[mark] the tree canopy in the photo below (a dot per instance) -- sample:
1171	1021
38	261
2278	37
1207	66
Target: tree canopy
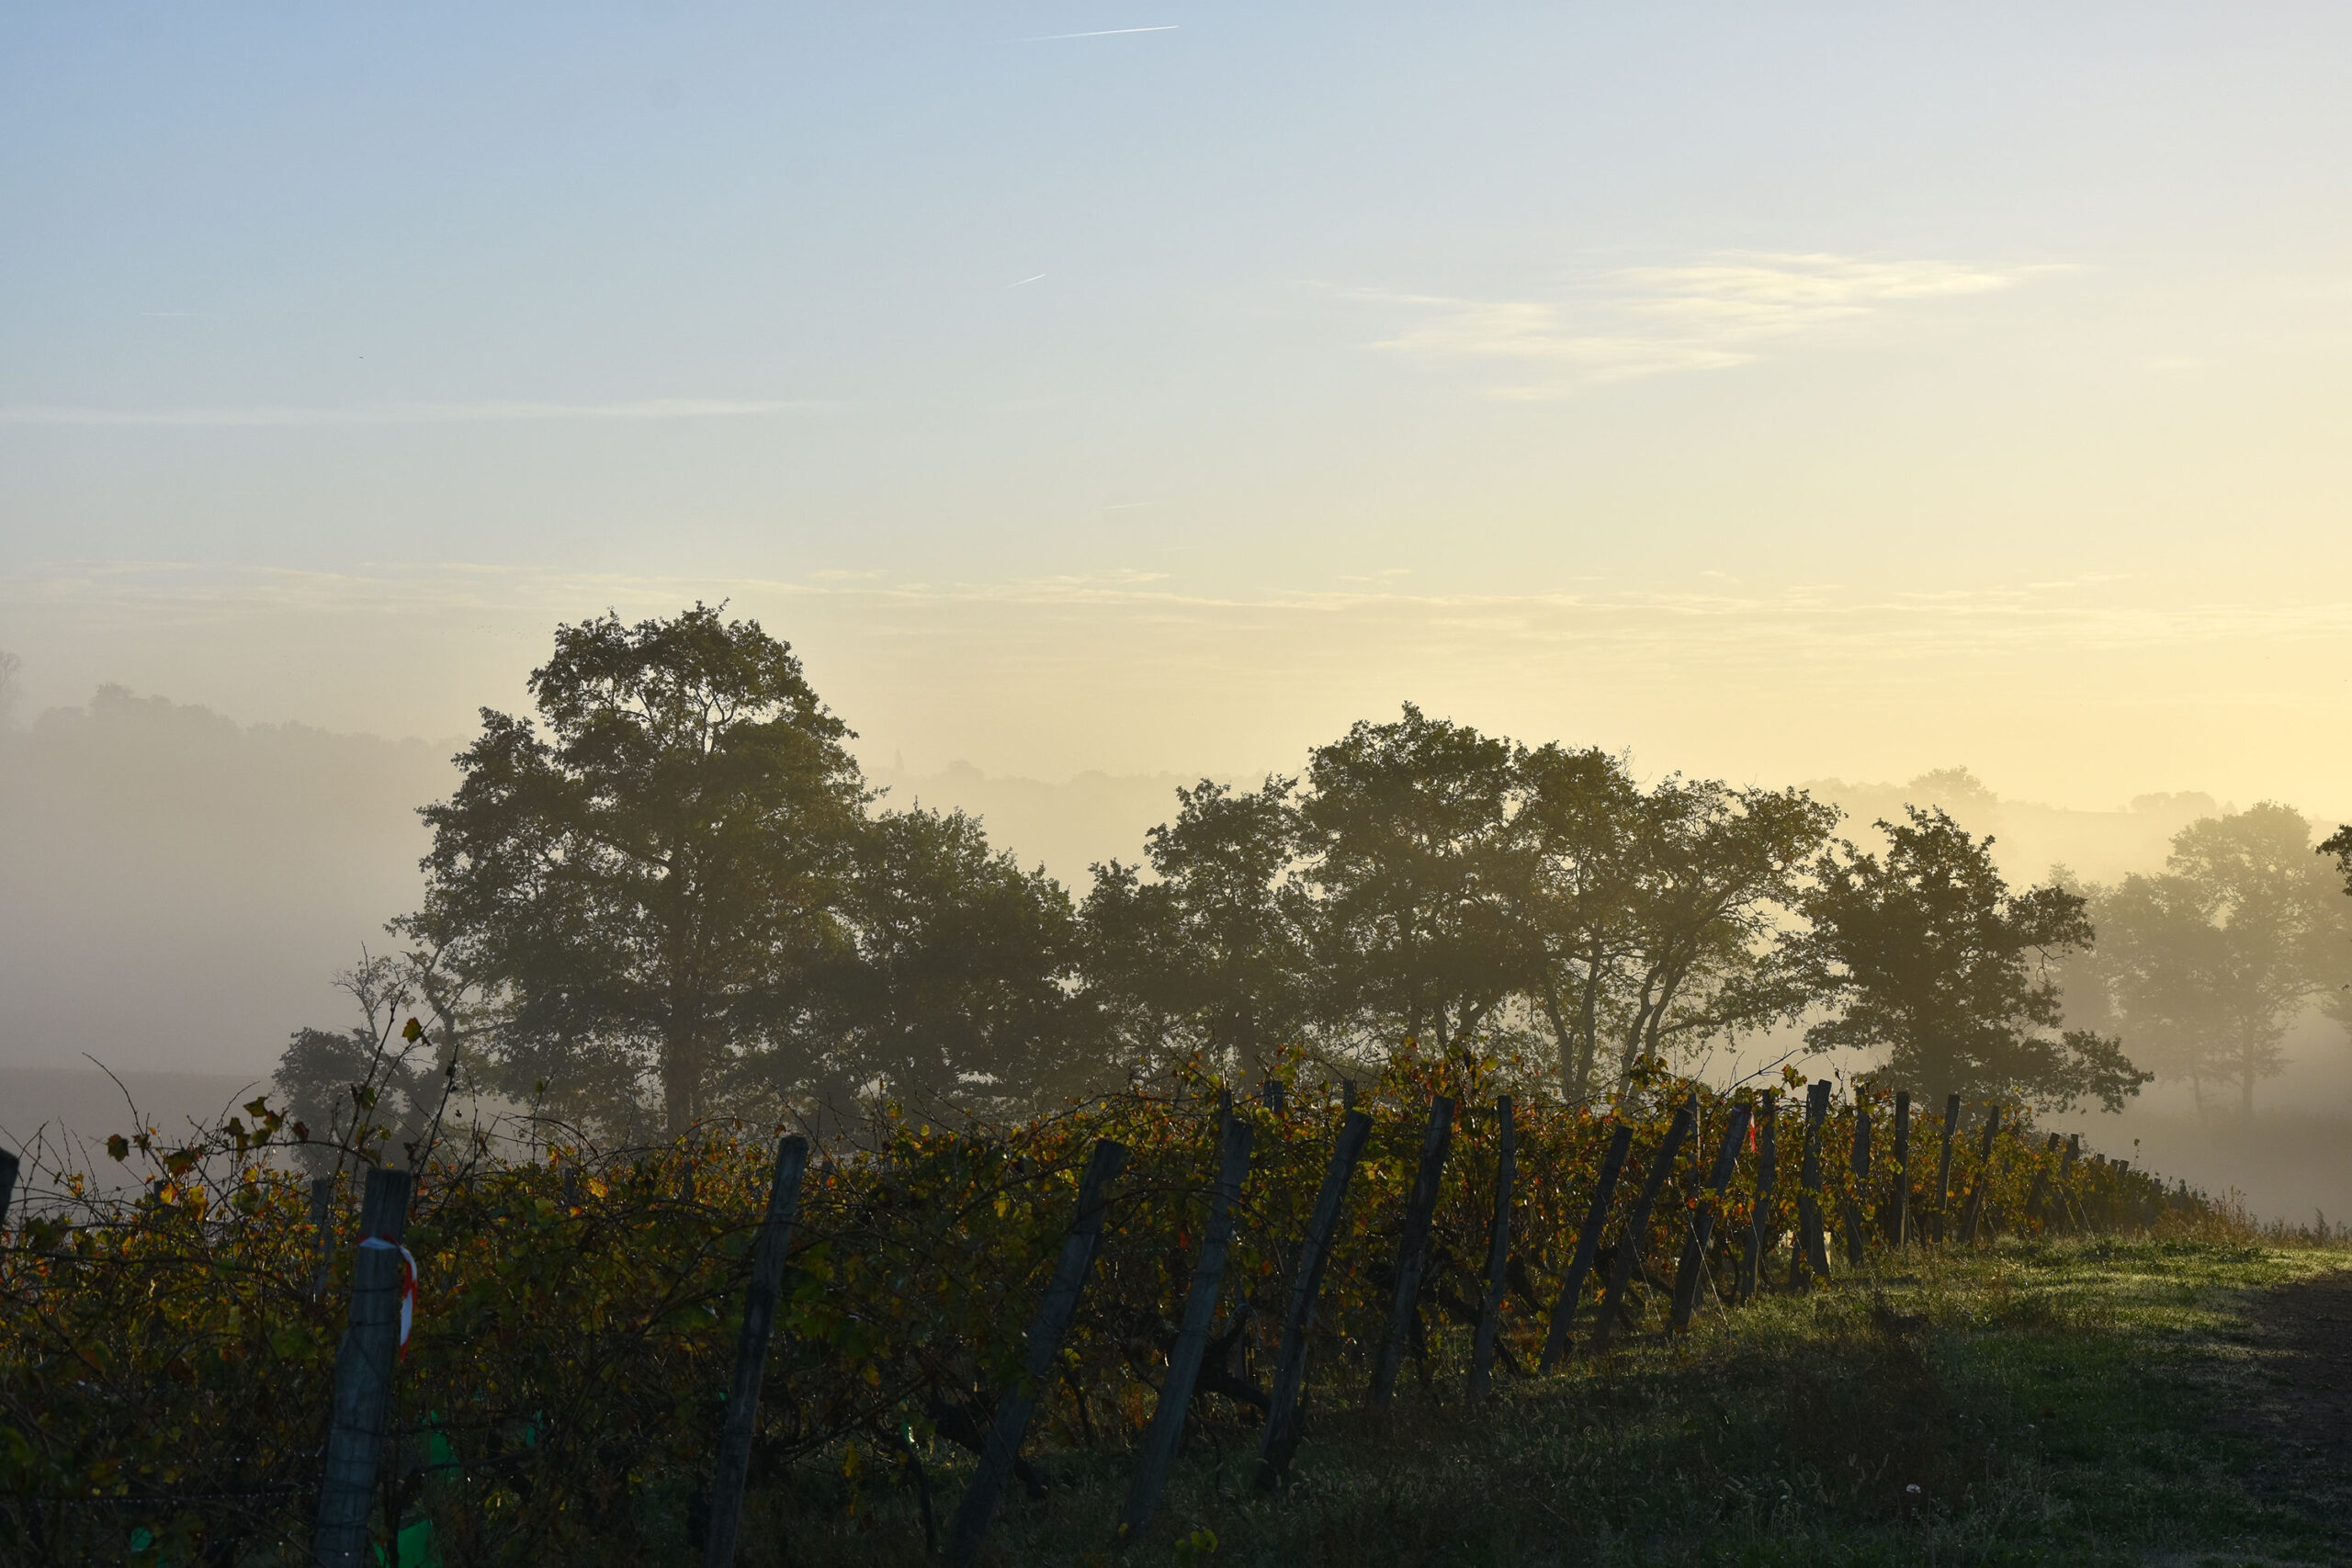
650	885
1937	962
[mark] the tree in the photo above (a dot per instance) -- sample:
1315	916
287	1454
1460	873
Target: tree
2212	961
358	1089
1405	848
1938	964
1714	869
652	882
959	980
1207	958
1578	823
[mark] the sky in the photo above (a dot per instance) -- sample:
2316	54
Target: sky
1781	391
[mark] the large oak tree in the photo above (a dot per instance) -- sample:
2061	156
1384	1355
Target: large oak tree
649	877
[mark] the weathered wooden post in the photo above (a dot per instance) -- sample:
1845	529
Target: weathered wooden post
2040	1196
1856	1239
1763	1232
1167	1432
2068	1208
1688	1274
1047	1326
321	1233
1413	1251
1943	1165
1281	1440
1637	1226
768	1251
9	1166
1811	1250
1564	1309
1898	1220
362	1375
1490	1311
1275	1096
1983	1177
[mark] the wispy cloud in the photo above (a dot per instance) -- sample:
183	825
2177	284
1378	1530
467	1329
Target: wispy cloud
1655	320
400	413
1101	32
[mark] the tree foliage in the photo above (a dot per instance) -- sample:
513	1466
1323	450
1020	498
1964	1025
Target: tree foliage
1938	964
649	885
2207	963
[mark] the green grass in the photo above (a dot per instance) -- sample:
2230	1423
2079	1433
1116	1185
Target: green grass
2068	1403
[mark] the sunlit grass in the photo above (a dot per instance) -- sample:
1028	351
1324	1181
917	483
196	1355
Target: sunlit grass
2033	1402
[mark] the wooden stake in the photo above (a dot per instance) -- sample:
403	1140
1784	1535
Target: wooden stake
363	1376
1636	1231
1046	1327
768	1254
322	1232
1167	1433
1943	1163
1413	1251
1811	1250
1306	1282
1490	1311
1564	1309
1983	1176
1763	1231
1702	1226
1860	1167
1898	1225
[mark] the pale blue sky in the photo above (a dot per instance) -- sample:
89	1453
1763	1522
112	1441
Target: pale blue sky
1780	390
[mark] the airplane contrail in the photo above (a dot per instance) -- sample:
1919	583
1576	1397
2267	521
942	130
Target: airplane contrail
1104	32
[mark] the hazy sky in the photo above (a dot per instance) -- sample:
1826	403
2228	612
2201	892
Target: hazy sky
1781	390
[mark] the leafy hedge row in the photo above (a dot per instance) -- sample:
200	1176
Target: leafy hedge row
164	1366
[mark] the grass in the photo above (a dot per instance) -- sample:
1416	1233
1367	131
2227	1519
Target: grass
2067	1403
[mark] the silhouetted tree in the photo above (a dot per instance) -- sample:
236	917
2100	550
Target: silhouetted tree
958	983
2208	962
1938	964
651	882
1405	846
1208	957
1714	870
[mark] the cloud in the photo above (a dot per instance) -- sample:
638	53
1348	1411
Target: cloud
1102	32
1656	319
398	413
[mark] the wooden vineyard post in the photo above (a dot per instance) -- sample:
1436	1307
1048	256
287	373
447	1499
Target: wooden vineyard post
1761	1230
1167	1432
1702	1223
1314	1256
1943	1165
1983	1178
1413	1252
322	1232
363	1376
1855	1239
2034	1204
2067	1208
1490	1311
1564	1309
1636	1231
1047	1326
9	1166
752	1350
1898	1219
1811	1250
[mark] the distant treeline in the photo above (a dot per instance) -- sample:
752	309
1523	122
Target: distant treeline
673	895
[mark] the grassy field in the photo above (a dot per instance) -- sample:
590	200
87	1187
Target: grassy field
2151	1402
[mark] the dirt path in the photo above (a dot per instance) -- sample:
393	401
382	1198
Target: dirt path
2297	1401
